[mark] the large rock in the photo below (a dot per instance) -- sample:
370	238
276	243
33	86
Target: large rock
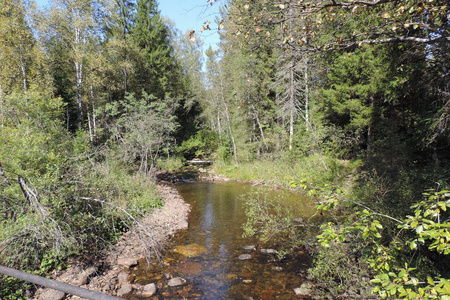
176	281
147	291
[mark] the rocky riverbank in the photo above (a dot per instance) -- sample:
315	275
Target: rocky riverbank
106	272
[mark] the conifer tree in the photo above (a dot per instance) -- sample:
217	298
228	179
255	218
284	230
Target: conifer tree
156	62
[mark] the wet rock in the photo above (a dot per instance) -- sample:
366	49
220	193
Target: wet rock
50	294
245	257
177	281
249	248
269	251
147	291
247	281
277	268
125	290
304	289
127	262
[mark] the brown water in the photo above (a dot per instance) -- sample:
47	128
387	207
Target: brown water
207	254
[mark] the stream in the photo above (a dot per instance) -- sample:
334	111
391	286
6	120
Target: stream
209	255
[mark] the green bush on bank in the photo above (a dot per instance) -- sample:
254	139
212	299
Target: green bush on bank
59	196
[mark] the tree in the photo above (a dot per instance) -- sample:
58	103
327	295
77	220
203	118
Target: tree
72	35
142	128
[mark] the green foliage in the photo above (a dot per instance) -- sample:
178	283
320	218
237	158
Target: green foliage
384	254
203	144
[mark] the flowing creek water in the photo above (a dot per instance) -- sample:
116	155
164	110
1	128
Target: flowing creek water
207	255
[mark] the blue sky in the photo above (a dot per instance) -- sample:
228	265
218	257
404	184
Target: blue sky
187	15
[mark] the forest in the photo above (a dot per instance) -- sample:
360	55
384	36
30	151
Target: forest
347	101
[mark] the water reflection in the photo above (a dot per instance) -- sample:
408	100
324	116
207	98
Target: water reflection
207	254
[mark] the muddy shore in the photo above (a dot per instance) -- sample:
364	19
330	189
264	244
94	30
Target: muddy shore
106	272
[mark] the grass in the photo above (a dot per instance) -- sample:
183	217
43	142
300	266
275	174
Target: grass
314	170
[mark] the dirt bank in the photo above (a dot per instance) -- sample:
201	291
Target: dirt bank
104	272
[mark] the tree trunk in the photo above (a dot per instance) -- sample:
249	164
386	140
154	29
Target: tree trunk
291	103
24	74
306	76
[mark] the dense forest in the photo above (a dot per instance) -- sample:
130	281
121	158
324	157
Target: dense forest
348	101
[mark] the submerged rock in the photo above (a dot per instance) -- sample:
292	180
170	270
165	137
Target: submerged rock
249	248
189	267
190	250
245	256
269	251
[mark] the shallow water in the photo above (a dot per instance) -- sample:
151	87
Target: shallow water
206	255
